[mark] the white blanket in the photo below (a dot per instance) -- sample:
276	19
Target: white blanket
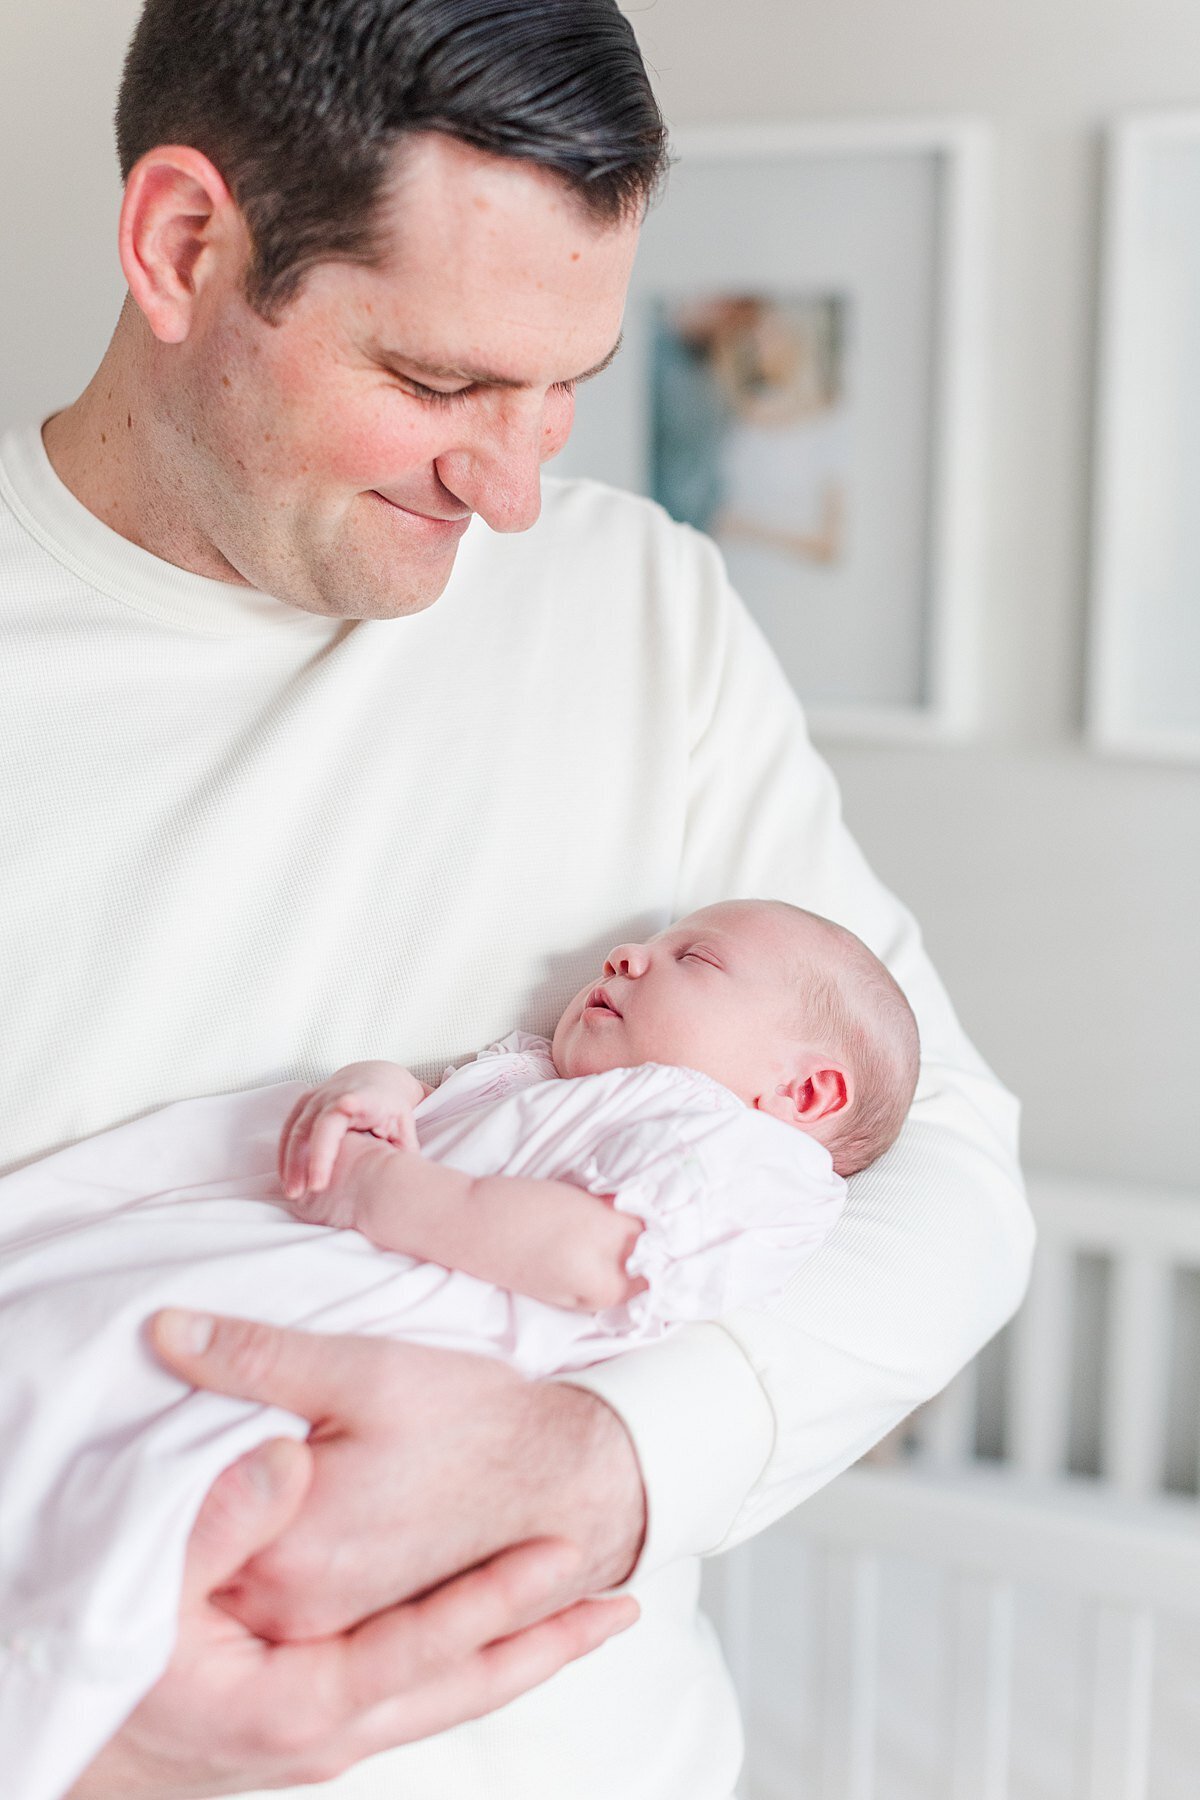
106	1457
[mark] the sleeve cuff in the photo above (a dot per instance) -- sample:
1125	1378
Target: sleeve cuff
703	1430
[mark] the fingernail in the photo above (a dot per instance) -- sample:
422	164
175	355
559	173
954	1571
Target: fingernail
184	1333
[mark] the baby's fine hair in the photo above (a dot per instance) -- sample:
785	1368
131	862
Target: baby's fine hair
857	1012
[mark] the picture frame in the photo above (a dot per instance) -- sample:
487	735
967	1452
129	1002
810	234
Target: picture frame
1143	678
849	501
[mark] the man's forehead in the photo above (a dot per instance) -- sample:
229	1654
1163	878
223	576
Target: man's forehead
453	202
490	273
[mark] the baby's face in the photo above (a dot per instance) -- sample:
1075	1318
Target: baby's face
710	993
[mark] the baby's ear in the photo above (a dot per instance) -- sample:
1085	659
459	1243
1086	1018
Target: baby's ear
815	1095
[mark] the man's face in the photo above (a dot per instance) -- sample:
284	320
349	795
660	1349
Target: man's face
338	456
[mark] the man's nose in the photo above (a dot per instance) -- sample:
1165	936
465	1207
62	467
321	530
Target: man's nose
628	959
498	472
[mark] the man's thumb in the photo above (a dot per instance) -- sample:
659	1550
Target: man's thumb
298	1370
248	1506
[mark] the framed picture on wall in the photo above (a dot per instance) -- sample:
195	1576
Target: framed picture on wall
801	378
1144	663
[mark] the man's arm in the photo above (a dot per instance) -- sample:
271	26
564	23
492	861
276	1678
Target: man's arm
932	1252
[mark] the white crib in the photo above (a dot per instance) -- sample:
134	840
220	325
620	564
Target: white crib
1007	1608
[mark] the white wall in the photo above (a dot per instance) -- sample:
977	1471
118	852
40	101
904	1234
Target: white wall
60	280
1060	895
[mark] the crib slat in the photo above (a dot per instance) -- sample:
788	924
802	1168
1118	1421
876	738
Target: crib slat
1135	1420
981	1688
1119	1749
851	1676
947	1424
1040	1390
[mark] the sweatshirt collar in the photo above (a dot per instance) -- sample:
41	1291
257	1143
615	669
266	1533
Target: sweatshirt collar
82	543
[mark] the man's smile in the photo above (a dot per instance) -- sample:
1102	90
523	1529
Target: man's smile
435	523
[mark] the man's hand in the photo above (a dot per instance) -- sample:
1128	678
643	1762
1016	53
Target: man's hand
426	1462
233	1714
364	1096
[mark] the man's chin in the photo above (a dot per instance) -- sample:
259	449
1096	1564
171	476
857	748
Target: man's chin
412	591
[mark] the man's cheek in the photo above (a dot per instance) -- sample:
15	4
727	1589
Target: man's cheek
373	455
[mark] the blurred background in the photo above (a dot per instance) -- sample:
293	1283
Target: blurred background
1058	891
1058	888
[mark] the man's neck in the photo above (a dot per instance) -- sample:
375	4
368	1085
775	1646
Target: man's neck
107	448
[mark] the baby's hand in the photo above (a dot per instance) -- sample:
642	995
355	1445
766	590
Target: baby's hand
378	1097
363	1166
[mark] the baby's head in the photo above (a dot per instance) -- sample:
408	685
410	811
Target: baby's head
788	1010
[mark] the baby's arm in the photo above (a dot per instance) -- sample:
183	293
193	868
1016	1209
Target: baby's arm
365	1096
547	1239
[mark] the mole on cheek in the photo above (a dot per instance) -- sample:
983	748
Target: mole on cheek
225	381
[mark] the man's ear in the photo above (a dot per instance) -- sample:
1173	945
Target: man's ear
817	1093
179	224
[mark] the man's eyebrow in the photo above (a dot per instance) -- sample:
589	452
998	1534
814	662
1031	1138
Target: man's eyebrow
487	377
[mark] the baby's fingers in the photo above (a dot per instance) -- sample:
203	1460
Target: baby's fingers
293	1144
405	1133
294	1149
323	1146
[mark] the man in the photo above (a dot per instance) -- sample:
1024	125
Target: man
310	771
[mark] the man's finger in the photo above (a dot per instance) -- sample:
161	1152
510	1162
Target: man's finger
248	1506
433	1639
495	1674
305	1372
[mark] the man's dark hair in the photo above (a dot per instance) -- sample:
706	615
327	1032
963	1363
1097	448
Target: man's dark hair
302	103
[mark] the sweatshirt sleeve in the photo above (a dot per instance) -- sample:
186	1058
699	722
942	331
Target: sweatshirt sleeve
738	1421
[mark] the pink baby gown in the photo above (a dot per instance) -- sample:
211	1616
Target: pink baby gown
105	1457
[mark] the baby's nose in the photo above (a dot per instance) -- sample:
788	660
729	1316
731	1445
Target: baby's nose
627	959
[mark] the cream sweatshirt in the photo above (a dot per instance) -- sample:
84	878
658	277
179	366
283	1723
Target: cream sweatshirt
240	844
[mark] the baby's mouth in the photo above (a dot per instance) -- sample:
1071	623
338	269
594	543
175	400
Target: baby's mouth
599	1001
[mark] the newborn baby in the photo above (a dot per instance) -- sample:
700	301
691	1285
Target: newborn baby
676	1151
790	1013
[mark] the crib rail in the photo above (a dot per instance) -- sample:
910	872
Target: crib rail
1129	1566
1146	1242
1066	1535
991	1535
995	1531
